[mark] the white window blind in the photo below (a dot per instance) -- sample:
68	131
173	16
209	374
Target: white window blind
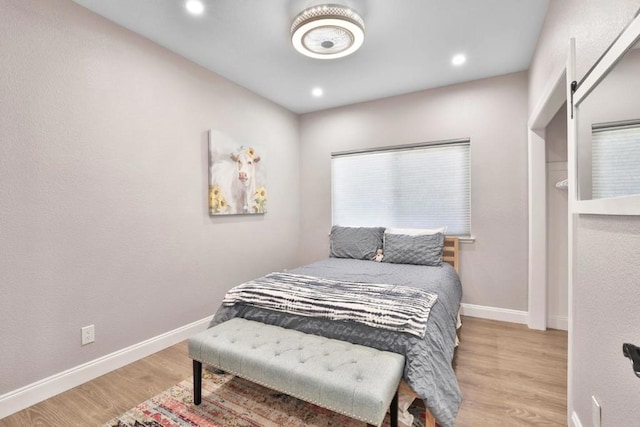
424	186
615	160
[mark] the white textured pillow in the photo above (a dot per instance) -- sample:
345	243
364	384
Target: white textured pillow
416	231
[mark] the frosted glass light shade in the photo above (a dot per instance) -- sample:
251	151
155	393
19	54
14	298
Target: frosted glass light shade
327	32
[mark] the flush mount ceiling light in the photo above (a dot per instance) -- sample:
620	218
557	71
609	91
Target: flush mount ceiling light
327	32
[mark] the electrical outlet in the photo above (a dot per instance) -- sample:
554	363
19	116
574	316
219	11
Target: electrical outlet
595	412
88	334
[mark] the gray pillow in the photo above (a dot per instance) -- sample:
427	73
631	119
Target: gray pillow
355	242
406	249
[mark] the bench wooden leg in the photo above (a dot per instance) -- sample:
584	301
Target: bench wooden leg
393	411
197	382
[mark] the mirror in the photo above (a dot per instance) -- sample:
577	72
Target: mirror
609	133
607	114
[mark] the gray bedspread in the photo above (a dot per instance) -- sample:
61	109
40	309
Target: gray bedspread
428	369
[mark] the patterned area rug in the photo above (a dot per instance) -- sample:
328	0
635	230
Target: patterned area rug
230	401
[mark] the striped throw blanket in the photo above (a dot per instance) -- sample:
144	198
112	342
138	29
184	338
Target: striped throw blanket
392	307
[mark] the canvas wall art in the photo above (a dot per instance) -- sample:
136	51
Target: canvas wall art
236	176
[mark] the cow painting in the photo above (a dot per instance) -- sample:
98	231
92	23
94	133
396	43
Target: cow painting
236	178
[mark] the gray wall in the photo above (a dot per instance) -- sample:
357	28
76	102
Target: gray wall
556	137
606	291
493	113
103	189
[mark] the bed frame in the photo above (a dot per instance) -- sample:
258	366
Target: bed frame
450	252
450	255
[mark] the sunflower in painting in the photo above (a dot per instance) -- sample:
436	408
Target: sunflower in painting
260	199
217	202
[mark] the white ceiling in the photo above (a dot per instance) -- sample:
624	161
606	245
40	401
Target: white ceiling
408	45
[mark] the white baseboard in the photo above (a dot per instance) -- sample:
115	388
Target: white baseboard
558	322
494	313
508	315
575	420
38	391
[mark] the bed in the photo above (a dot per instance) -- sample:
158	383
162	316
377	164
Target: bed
428	372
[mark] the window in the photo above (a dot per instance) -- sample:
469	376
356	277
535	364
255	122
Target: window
615	160
416	186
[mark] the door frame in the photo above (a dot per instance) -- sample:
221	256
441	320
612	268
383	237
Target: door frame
552	99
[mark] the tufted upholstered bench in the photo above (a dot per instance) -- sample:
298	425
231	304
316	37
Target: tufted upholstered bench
353	380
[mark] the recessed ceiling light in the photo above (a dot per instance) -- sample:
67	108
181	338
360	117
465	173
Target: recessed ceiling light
317	92
458	59
195	7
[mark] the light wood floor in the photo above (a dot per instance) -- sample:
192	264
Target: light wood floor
509	375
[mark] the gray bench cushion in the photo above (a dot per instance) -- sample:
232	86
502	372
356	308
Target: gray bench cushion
350	379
